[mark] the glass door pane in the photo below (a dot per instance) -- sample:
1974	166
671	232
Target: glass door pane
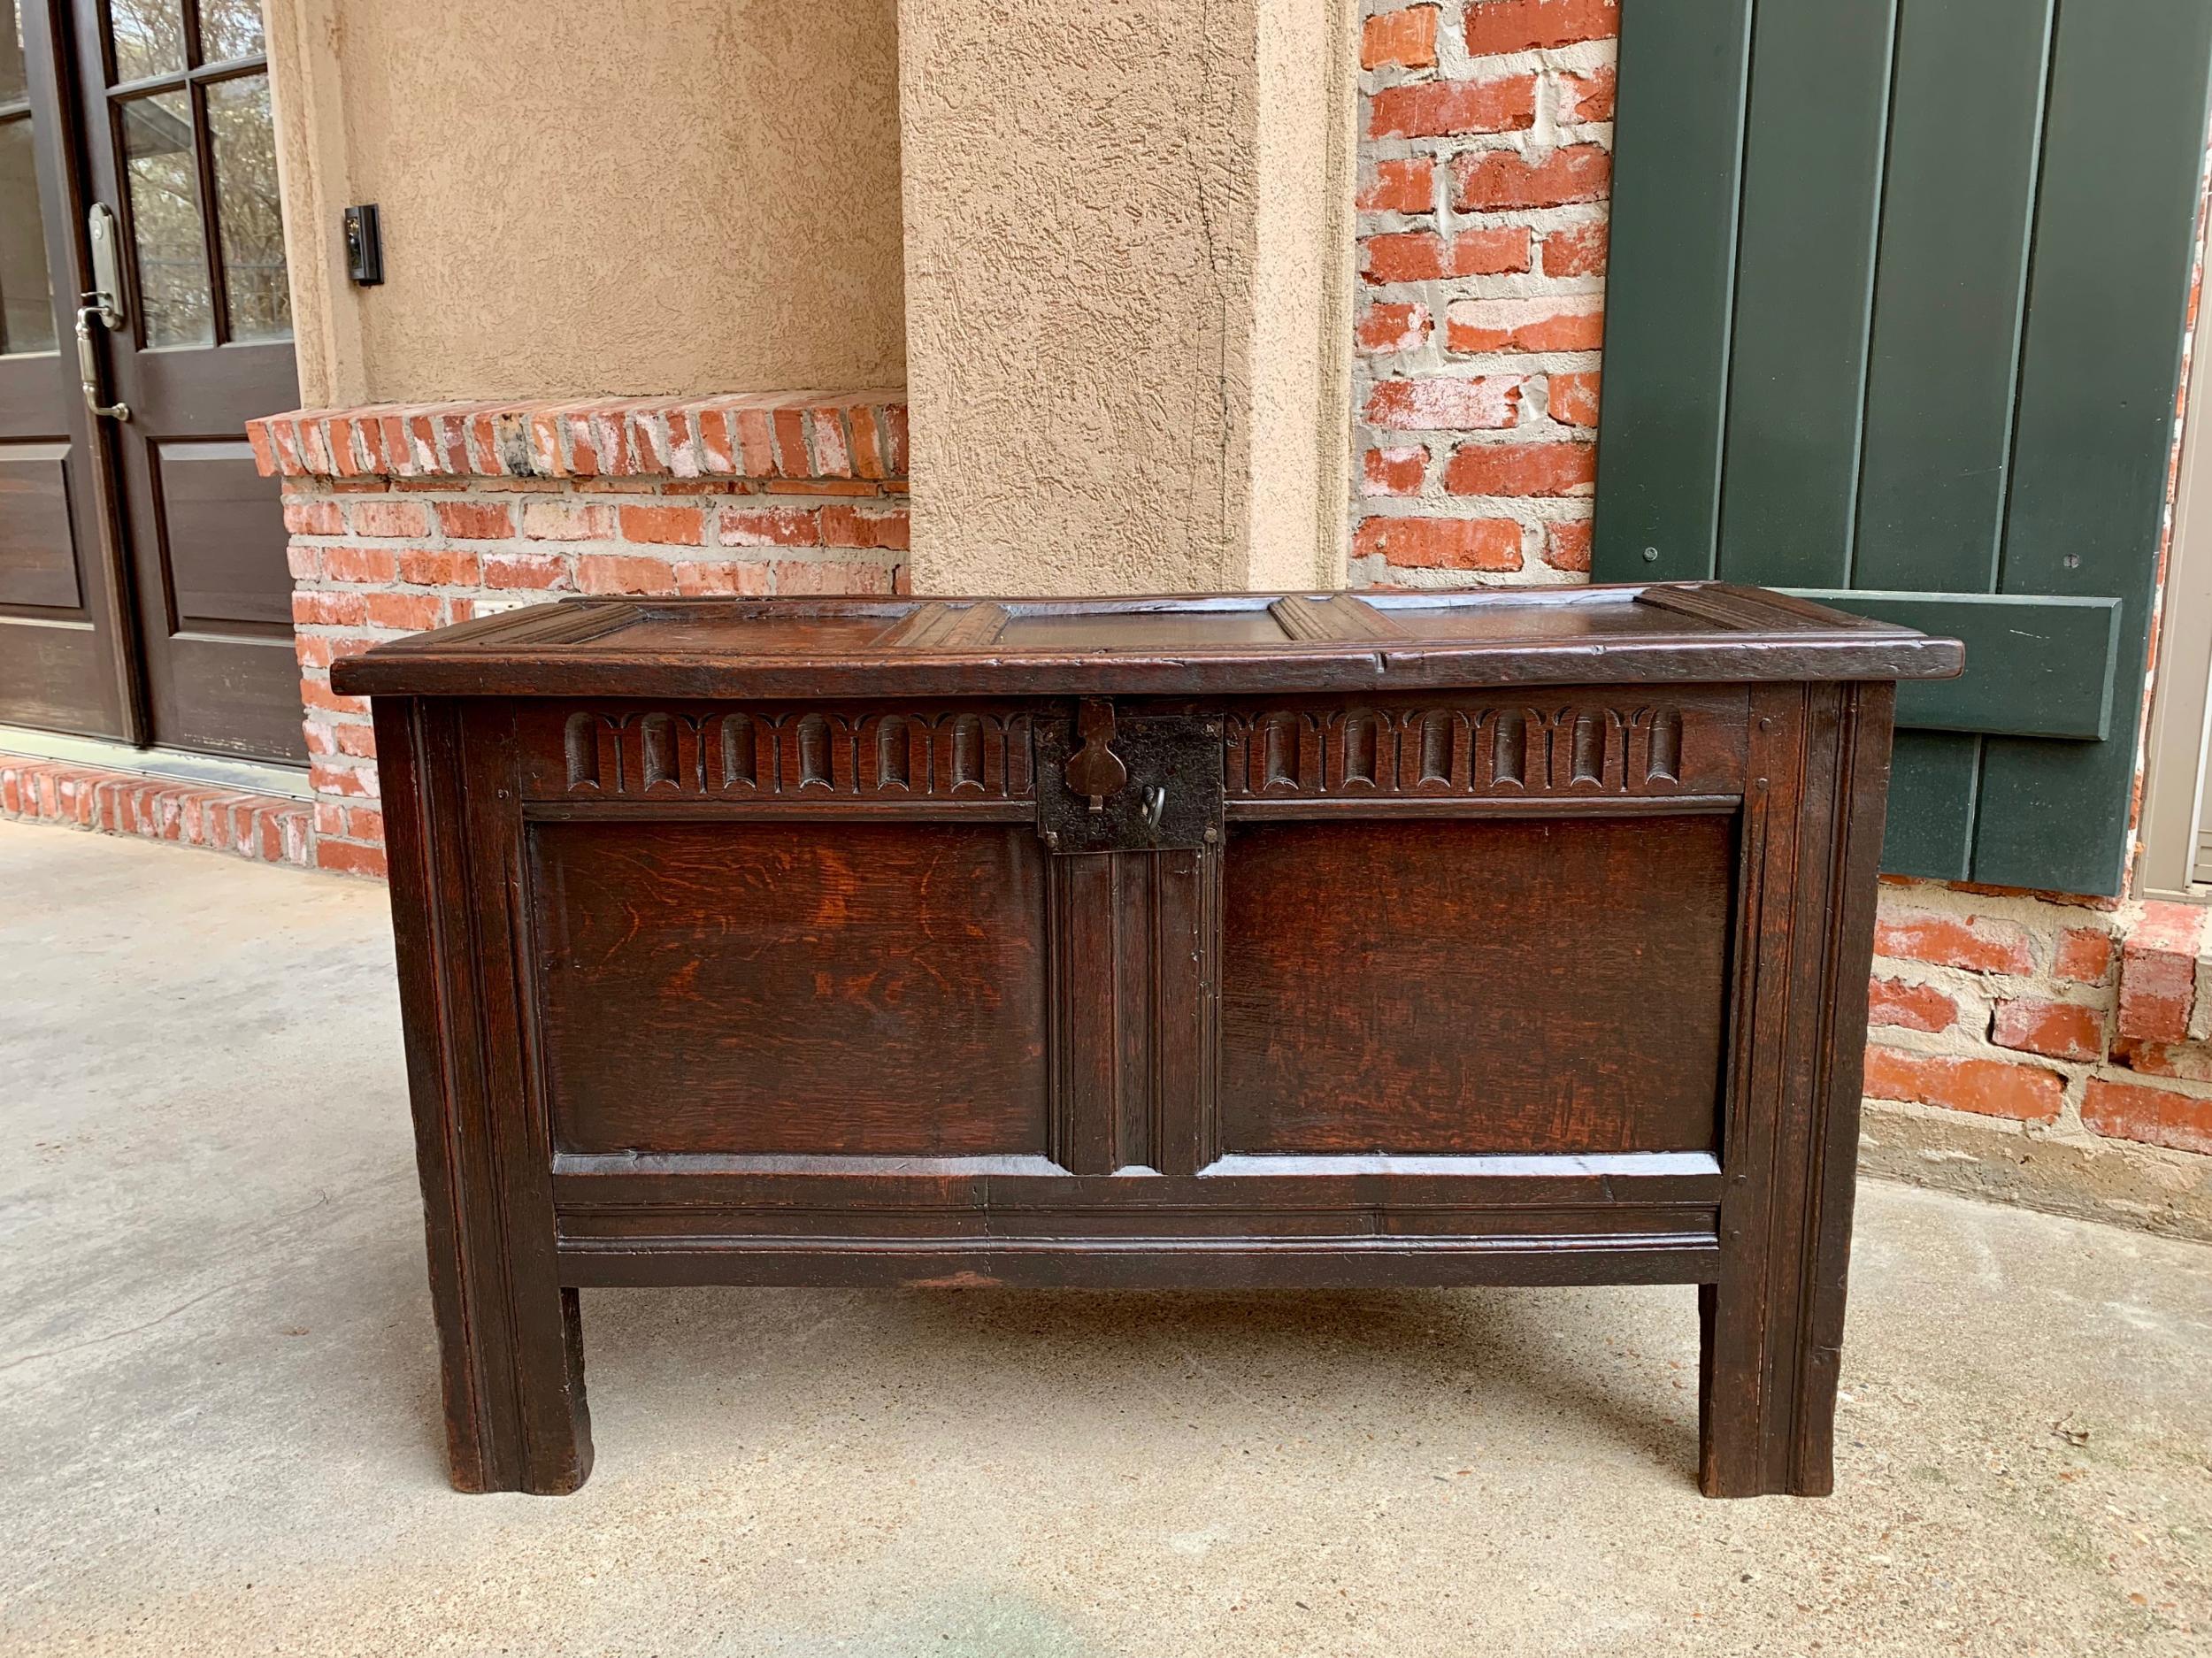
147	37
247	214
167	232
229	28
14	84
27	290
26	293
189	86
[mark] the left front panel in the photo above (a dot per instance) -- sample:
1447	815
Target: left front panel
791	987
785	932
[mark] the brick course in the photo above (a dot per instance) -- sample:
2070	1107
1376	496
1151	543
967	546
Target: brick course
408	518
265	827
1485	162
2089	1023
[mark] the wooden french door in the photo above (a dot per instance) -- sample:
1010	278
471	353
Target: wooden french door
66	660
160	110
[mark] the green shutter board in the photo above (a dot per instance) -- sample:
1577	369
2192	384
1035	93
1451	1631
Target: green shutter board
1819	109
2014	387
2109	292
1957	209
1934	836
2035	667
1677	160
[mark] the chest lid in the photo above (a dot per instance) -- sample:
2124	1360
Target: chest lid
1208	643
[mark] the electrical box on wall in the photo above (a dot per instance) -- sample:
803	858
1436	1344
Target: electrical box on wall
365	246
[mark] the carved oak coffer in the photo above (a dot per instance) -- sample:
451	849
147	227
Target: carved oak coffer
1236	941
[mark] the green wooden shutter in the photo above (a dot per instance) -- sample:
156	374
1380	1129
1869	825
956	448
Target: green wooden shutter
1894	318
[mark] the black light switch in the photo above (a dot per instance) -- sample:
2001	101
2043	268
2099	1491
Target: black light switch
365	246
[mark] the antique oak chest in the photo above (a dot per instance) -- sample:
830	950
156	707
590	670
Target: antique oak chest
1238	940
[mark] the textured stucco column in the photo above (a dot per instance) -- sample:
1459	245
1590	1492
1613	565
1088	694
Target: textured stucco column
1127	271
583	197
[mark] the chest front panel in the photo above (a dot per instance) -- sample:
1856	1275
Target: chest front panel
1463	927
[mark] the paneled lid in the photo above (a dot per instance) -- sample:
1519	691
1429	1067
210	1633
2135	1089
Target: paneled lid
1219	643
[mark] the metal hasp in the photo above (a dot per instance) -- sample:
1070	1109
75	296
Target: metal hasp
1110	782
1095	771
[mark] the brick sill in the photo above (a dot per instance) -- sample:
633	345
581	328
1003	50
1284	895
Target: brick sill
223	773
805	436
270	828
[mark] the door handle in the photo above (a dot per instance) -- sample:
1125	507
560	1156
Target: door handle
89	364
103	304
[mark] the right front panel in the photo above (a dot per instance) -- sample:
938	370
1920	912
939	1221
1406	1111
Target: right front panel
1474	925
1506	984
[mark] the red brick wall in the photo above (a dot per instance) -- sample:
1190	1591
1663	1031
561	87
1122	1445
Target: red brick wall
1484	187
2081	1023
407	519
1485	163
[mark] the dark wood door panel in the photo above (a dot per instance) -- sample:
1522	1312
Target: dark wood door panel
232	695
223	539
866	989
65	649
38	543
53	676
1459	987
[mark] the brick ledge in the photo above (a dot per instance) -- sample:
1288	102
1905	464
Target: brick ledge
271	828
2159	954
811	436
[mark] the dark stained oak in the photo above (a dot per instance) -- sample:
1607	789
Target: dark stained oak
1244	939
1216	644
705	986
1528	985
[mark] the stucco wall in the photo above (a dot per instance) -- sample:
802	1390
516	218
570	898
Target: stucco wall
1121	319
1305	145
580	196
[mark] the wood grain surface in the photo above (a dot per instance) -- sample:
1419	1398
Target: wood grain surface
1515	985
1216	644
759	987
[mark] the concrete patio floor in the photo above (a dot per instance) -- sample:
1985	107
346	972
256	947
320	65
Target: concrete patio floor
219	1426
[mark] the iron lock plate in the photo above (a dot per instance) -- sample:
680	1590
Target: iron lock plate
1168	795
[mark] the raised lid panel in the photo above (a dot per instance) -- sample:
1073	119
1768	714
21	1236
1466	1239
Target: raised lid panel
1220	643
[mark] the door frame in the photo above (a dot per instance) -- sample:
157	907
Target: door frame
2176	753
